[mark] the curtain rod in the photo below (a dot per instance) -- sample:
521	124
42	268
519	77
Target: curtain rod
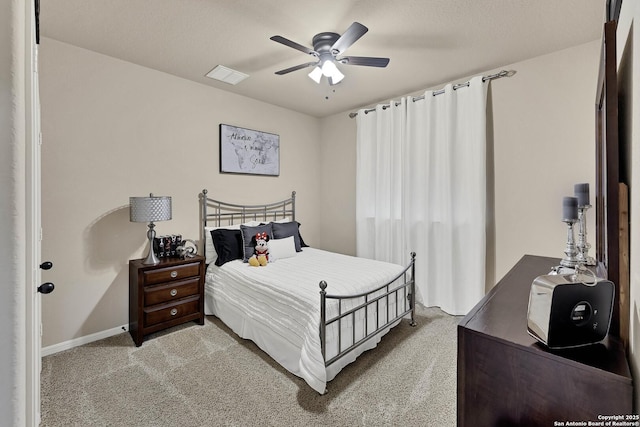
503	73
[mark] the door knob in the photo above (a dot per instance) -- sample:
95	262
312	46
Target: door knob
46	288
46	265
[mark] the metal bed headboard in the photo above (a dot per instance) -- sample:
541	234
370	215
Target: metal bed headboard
214	213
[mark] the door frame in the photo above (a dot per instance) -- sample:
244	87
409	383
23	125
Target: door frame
18	402
33	140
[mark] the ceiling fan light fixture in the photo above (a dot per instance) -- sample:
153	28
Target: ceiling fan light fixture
330	70
316	74
326	46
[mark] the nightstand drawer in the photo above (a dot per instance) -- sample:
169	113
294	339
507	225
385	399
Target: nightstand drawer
175	272
166	312
171	291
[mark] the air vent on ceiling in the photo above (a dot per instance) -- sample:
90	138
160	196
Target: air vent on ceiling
227	75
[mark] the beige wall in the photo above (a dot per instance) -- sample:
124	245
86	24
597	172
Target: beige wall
543	132
112	130
544	127
338	185
628	50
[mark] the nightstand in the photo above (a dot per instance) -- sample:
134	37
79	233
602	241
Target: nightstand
165	295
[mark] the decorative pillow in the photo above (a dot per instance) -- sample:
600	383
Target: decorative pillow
248	233
282	230
210	250
302	243
282	248
228	245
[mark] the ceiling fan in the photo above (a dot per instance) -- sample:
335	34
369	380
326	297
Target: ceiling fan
326	49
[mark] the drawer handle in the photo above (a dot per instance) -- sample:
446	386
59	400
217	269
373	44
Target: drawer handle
174	292
174	274
174	311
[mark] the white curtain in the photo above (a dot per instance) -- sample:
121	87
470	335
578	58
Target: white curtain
421	187
379	184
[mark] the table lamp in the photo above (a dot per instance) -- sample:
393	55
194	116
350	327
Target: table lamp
150	209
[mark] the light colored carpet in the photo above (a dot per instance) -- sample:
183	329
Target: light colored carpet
206	376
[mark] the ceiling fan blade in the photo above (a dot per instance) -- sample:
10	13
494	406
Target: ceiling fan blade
353	33
294	45
367	61
296	68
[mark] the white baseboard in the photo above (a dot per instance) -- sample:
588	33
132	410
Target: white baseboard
56	348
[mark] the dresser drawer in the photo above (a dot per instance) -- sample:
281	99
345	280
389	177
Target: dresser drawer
165	312
176	272
171	291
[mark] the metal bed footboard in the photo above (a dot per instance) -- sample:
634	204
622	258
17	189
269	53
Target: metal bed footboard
371	305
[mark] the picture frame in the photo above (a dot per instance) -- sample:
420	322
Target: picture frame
248	151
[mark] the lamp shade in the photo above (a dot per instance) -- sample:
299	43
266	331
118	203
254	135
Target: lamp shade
149	209
330	70
316	74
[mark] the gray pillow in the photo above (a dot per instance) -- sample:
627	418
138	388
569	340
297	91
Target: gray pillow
248	233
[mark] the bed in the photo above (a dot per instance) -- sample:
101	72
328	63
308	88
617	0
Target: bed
311	310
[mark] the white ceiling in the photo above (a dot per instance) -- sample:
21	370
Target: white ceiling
430	42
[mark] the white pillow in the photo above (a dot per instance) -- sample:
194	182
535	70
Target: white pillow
281	248
283	220
210	250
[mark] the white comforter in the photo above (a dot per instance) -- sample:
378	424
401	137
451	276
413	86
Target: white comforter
278	306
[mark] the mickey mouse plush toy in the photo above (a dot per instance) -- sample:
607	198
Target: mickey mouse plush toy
261	250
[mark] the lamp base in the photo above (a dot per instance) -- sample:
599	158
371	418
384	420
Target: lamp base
151	258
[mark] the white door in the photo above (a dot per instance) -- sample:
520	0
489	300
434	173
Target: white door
34	263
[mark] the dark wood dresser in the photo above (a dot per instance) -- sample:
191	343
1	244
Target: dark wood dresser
165	295
506	378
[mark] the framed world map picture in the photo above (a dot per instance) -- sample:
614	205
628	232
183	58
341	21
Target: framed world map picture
248	151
